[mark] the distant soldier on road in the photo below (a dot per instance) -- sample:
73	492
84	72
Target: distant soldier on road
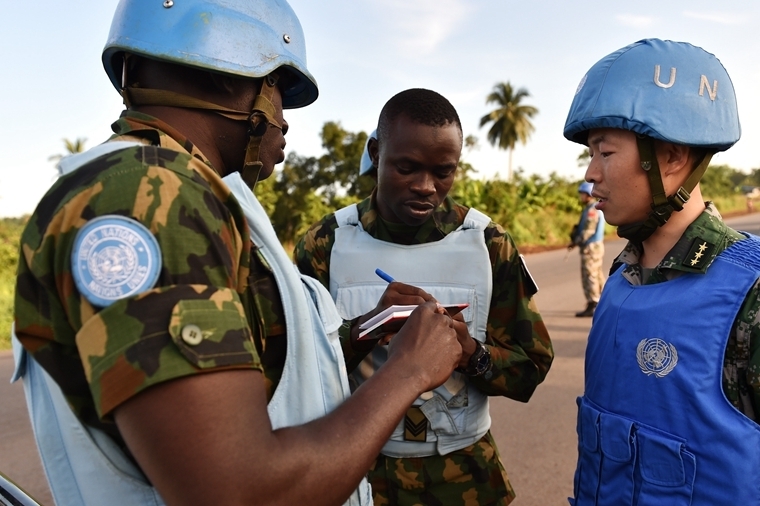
588	236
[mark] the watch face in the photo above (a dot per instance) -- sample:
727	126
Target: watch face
483	362
479	361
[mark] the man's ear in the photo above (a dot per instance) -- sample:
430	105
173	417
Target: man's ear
674	159
373	148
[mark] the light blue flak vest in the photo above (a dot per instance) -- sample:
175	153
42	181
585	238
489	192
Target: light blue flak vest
85	467
654	425
455	269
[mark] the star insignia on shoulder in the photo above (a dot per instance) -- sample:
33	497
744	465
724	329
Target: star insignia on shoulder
698	254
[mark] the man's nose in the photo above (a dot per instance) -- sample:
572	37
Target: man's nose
424	184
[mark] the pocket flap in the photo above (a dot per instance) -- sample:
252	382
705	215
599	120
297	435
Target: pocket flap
616	437
661	460
589	426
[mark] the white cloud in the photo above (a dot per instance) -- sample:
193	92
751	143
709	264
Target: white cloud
717	17
422	24
636	21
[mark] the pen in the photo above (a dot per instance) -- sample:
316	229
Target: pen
385	276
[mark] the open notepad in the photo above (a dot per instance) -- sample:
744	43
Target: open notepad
393	317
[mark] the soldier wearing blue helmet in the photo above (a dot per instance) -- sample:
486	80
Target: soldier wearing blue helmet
170	352
588	236
672	389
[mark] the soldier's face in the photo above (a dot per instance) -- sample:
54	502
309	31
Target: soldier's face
272	149
416	168
620	184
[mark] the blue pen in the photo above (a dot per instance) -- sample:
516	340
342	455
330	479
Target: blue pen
385	276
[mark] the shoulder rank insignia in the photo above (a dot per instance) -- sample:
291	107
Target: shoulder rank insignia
699	254
114	257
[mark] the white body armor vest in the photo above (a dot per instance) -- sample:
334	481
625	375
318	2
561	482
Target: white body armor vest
85	467
455	269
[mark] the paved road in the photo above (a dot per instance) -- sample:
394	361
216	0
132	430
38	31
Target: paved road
537	440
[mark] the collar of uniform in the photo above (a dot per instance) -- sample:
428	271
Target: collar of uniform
137	124
694	252
444	220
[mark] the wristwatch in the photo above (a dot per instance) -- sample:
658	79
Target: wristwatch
480	361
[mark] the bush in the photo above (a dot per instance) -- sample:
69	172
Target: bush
10	232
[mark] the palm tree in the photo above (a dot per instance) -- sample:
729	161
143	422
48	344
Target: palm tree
72	147
511	119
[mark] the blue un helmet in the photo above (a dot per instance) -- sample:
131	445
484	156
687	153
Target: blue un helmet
665	90
259	39
366	162
585	187
238	37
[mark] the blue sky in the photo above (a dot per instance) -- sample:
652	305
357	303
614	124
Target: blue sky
364	51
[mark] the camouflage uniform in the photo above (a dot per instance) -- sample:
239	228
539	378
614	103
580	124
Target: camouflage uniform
592	254
210	276
517	338
741	363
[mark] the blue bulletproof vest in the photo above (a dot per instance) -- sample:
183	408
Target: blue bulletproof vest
654	426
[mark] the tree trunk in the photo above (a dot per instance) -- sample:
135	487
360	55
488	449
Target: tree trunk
509	171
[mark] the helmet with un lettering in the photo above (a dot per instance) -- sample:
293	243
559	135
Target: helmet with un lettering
366	162
671	91
242	38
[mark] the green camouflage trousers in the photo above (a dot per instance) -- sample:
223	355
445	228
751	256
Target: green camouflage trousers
592	274
472	476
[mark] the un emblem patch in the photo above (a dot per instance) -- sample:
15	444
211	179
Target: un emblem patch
114	257
656	357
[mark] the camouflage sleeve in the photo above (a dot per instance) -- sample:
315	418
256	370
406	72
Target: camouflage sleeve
192	320
741	363
312	251
516	336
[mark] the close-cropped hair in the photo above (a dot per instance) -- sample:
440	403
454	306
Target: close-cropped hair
419	105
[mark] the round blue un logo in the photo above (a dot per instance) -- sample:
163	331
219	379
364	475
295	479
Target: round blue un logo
114	257
656	356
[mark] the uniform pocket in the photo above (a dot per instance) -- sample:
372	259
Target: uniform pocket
667	470
212	333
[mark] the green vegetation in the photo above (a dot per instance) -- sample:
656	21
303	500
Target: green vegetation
10	231
538	211
510	121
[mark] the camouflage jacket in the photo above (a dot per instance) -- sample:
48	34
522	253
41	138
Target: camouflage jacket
210	277
741	363
516	336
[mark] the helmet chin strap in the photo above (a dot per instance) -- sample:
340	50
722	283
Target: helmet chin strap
662	206
261	116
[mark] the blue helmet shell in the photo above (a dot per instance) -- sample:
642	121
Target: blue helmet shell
365	165
671	91
585	187
239	37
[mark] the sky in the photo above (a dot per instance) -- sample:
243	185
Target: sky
362	52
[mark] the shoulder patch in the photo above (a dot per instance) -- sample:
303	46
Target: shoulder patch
114	257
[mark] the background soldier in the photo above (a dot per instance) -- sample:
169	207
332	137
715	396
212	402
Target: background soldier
443	452
588	235
669	411
155	295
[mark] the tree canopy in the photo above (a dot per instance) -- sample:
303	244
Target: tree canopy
510	121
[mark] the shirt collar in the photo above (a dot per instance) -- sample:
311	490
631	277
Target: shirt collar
159	133
694	252
444	220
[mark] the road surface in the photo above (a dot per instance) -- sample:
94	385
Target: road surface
537	440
